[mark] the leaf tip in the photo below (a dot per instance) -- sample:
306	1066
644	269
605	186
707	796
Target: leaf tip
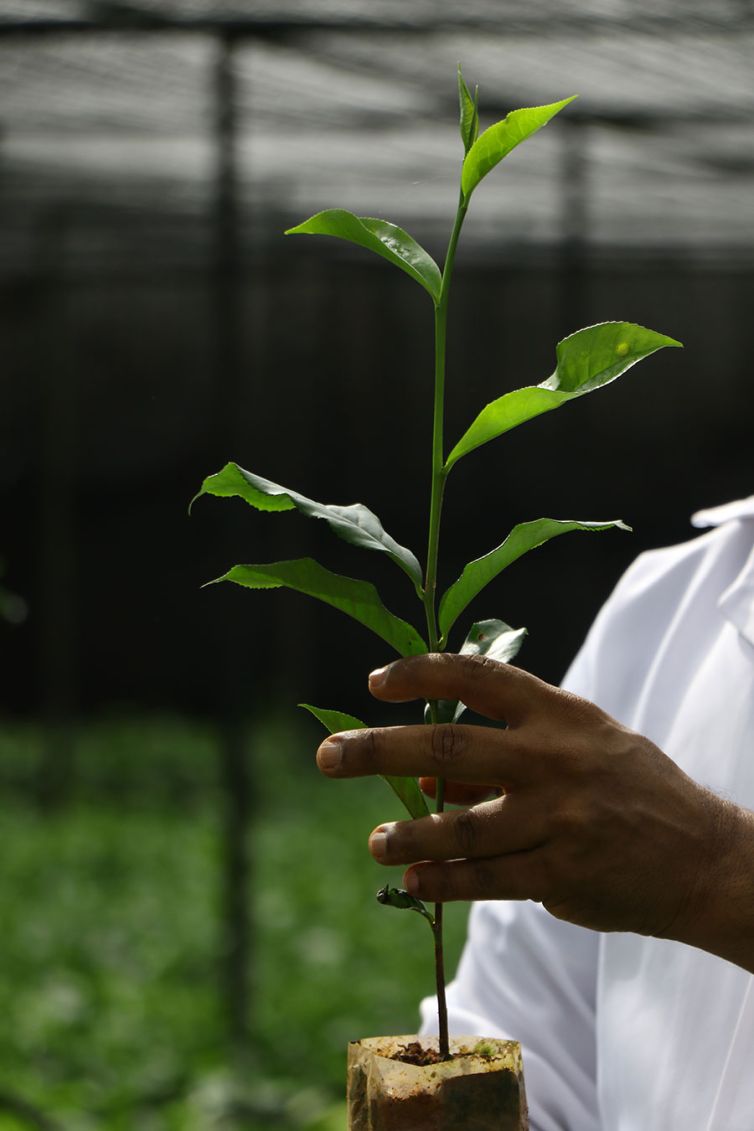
312	711
214	581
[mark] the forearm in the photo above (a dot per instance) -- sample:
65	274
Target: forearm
721	920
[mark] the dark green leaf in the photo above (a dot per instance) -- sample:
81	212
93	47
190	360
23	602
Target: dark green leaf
406	789
524	537
492	638
469	112
355	523
359	599
586	360
396	897
496	142
380	236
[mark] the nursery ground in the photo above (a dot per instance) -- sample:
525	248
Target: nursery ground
111	910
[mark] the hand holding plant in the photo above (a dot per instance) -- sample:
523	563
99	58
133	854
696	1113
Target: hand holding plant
585	361
576	786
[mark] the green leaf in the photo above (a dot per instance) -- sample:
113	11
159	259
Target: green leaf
406	789
496	142
380	236
492	638
524	537
334	721
408	792
355	523
396	897
469	111
586	361
359	599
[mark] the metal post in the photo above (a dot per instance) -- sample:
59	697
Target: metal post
227	385
55	616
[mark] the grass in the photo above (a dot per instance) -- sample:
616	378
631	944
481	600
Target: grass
113	1016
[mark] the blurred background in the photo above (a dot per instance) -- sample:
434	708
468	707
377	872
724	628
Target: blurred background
188	936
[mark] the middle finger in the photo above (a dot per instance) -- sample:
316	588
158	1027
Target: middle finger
466	753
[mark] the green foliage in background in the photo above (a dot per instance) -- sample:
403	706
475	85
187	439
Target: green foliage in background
110	943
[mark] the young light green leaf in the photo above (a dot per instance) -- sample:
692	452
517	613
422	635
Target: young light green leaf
396	897
380	236
524	537
469	112
586	360
359	599
492	638
355	523
496	142
406	789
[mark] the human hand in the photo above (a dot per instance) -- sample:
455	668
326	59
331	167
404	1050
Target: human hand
594	822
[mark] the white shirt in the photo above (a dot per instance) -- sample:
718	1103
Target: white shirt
622	1032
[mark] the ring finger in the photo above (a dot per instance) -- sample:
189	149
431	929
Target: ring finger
504	825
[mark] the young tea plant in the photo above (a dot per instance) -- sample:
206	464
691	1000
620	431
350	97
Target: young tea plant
585	361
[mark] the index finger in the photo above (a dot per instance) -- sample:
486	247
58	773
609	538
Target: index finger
496	690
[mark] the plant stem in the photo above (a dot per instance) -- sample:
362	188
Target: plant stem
438	460
430	581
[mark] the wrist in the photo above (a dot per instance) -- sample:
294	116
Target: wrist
721	912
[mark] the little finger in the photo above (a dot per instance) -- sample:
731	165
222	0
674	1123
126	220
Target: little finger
520	875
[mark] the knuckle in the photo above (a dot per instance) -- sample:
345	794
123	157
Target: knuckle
484	880
575	703
447	743
465	831
586	717
479	667
369	746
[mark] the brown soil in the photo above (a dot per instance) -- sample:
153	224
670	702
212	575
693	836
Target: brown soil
415	1053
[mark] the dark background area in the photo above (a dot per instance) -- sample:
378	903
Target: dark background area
118	410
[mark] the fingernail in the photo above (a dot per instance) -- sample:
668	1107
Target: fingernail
330	754
377	677
378	841
411	880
